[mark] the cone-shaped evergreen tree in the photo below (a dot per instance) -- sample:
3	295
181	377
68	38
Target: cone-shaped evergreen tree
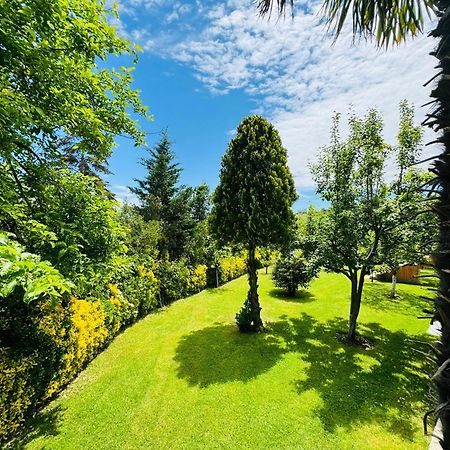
159	187
163	200
252	204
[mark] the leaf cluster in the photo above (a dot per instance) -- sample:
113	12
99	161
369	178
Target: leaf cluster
252	203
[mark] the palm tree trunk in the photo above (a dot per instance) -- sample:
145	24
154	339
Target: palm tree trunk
439	120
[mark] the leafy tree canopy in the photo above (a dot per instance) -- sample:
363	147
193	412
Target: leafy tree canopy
365	207
52	84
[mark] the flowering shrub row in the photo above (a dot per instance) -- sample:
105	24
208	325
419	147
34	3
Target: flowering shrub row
45	345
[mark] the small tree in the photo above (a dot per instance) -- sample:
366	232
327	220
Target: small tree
267	256
163	200
252	203
364	207
293	270
416	239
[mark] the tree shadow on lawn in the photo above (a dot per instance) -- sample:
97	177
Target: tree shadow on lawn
376	295
220	354
301	296
382	384
45	423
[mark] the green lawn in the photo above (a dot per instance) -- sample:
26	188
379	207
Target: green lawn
184	378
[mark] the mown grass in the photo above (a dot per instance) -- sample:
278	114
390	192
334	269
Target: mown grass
184	378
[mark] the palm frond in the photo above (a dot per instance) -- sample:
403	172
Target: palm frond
265	7
386	21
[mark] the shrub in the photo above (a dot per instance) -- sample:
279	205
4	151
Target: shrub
52	344
197	279
81	340
292	271
232	267
172	277
17	391
244	318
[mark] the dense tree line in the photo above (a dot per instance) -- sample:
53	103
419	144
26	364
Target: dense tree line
75	266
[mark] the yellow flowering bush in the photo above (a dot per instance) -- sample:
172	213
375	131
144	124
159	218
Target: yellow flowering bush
138	294
16	391
232	267
65	337
80	339
197	279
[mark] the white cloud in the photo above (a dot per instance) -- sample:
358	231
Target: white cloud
297	77
123	194
301	78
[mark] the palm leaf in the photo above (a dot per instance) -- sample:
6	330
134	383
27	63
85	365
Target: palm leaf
386	21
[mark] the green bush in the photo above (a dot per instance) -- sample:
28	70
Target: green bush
292	271
197	279
244	319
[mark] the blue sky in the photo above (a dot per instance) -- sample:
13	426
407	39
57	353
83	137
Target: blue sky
207	64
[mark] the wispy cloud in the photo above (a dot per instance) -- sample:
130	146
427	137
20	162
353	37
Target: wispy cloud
123	194
295	75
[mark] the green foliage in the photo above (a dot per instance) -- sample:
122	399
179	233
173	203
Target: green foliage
178	210
159	187
365	209
244	318
201	203
142	237
52	83
27	273
84	220
267	256
417	236
252	203
293	270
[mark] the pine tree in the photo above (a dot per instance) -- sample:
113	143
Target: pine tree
159	187
163	200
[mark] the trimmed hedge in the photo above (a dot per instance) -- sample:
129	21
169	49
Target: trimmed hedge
49	345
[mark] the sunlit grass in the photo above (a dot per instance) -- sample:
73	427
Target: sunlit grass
184	378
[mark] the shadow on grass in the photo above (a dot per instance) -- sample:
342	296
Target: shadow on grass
45	423
220	354
376	295
301	296
385	384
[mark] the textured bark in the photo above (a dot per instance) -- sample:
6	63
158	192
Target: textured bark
355	303
439	120
253	291
394	285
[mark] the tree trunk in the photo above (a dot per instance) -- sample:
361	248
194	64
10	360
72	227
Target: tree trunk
266	269
217	277
438	119
394	284
355	303
253	291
